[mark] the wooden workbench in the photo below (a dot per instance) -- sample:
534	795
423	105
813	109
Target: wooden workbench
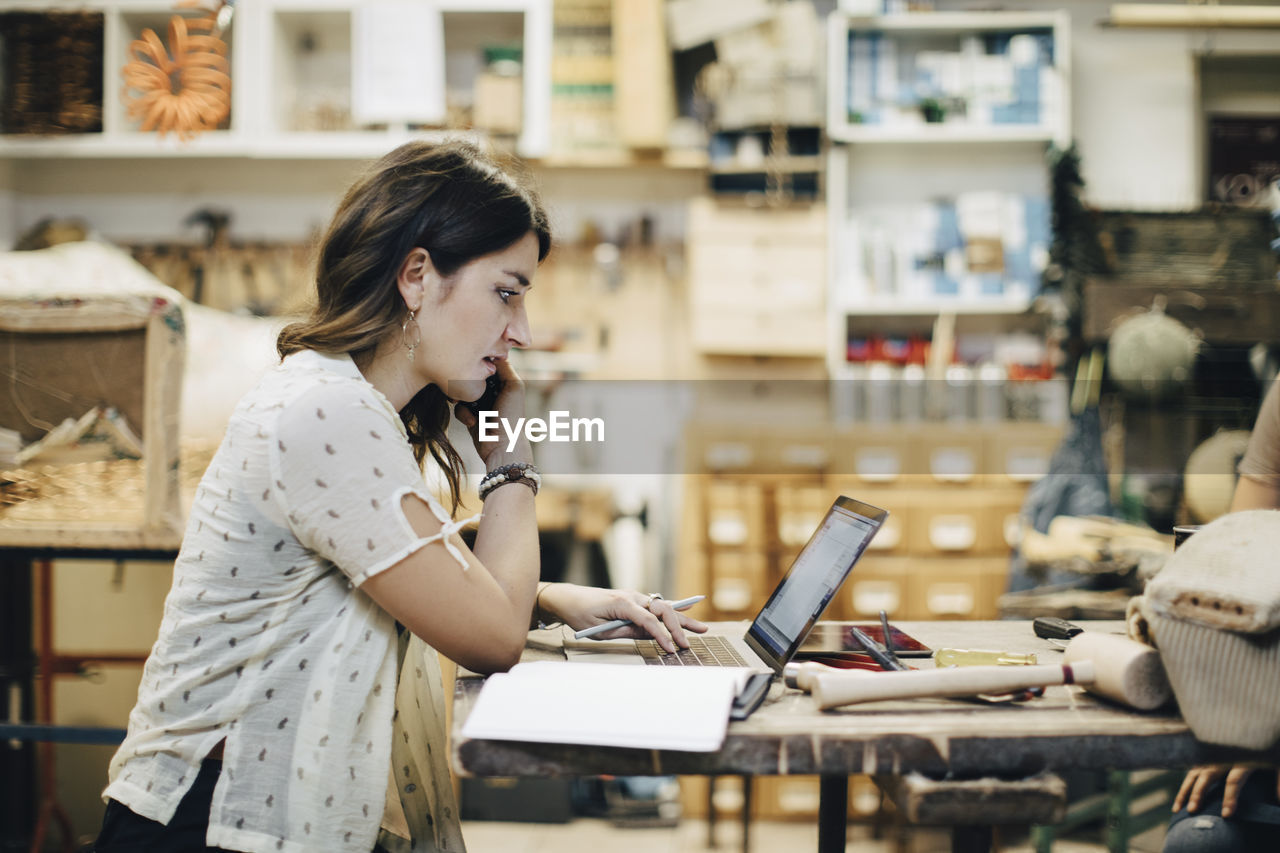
936	738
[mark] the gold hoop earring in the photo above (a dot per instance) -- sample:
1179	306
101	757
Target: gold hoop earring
410	346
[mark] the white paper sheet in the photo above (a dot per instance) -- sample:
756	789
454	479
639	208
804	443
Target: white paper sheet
648	707
397	62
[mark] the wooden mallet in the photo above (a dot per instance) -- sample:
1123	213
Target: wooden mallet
1110	666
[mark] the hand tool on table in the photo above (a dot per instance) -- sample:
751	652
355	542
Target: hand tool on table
1111	666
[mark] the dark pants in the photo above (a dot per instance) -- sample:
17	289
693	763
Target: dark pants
1253	828
123	831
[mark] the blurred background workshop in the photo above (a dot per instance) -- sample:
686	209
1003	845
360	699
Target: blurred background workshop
1006	269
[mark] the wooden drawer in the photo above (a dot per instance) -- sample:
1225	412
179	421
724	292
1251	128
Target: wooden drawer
734	513
797	451
894	535
955	588
732	223
788	277
876	583
1019	453
799	510
714	448
738	582
950	454
956	522
871	456
743	331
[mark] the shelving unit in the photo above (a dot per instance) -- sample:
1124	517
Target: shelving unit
990	76
285	52
888	273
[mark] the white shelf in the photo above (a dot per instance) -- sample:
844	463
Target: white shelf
947	133
279	146
263	51
930	28
885	307
872	174
951	23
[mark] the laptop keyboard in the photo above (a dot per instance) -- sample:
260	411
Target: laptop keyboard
702	651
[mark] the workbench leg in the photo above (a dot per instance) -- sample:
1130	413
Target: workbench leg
833	813
746	813
711	812
971	839
1119	827
17	702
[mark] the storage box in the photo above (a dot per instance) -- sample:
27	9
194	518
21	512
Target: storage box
895	534
870	456
954	587
956	522
773	262
798	511
738	581
84	326
947	454
877	583
734	513
1019	453
719	448
795	450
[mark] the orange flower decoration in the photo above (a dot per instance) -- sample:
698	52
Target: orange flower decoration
187	92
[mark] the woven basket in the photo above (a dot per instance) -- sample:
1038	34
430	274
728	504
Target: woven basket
52	72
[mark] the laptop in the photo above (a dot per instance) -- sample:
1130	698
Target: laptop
786	618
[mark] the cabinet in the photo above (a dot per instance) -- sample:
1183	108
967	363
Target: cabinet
756	279
954	495
292	71
937	186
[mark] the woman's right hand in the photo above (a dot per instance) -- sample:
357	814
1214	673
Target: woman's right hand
509	404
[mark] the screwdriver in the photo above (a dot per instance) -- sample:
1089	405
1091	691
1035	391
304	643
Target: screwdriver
976	657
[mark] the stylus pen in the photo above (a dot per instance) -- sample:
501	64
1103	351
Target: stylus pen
885	661
682	604
887	633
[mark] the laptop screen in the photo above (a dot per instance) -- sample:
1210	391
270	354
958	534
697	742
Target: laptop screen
823	564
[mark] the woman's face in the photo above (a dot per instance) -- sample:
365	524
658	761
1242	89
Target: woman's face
474	317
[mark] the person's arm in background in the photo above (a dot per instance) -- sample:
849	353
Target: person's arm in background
1252	493
1254	490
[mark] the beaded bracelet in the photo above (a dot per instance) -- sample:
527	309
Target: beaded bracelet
516	472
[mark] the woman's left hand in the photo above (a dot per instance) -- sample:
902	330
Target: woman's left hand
581	607
1199	779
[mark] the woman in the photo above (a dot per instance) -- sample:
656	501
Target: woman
270	715
1235	808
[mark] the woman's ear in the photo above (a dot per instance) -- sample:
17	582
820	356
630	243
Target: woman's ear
415	274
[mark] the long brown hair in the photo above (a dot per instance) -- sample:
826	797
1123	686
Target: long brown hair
447	198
